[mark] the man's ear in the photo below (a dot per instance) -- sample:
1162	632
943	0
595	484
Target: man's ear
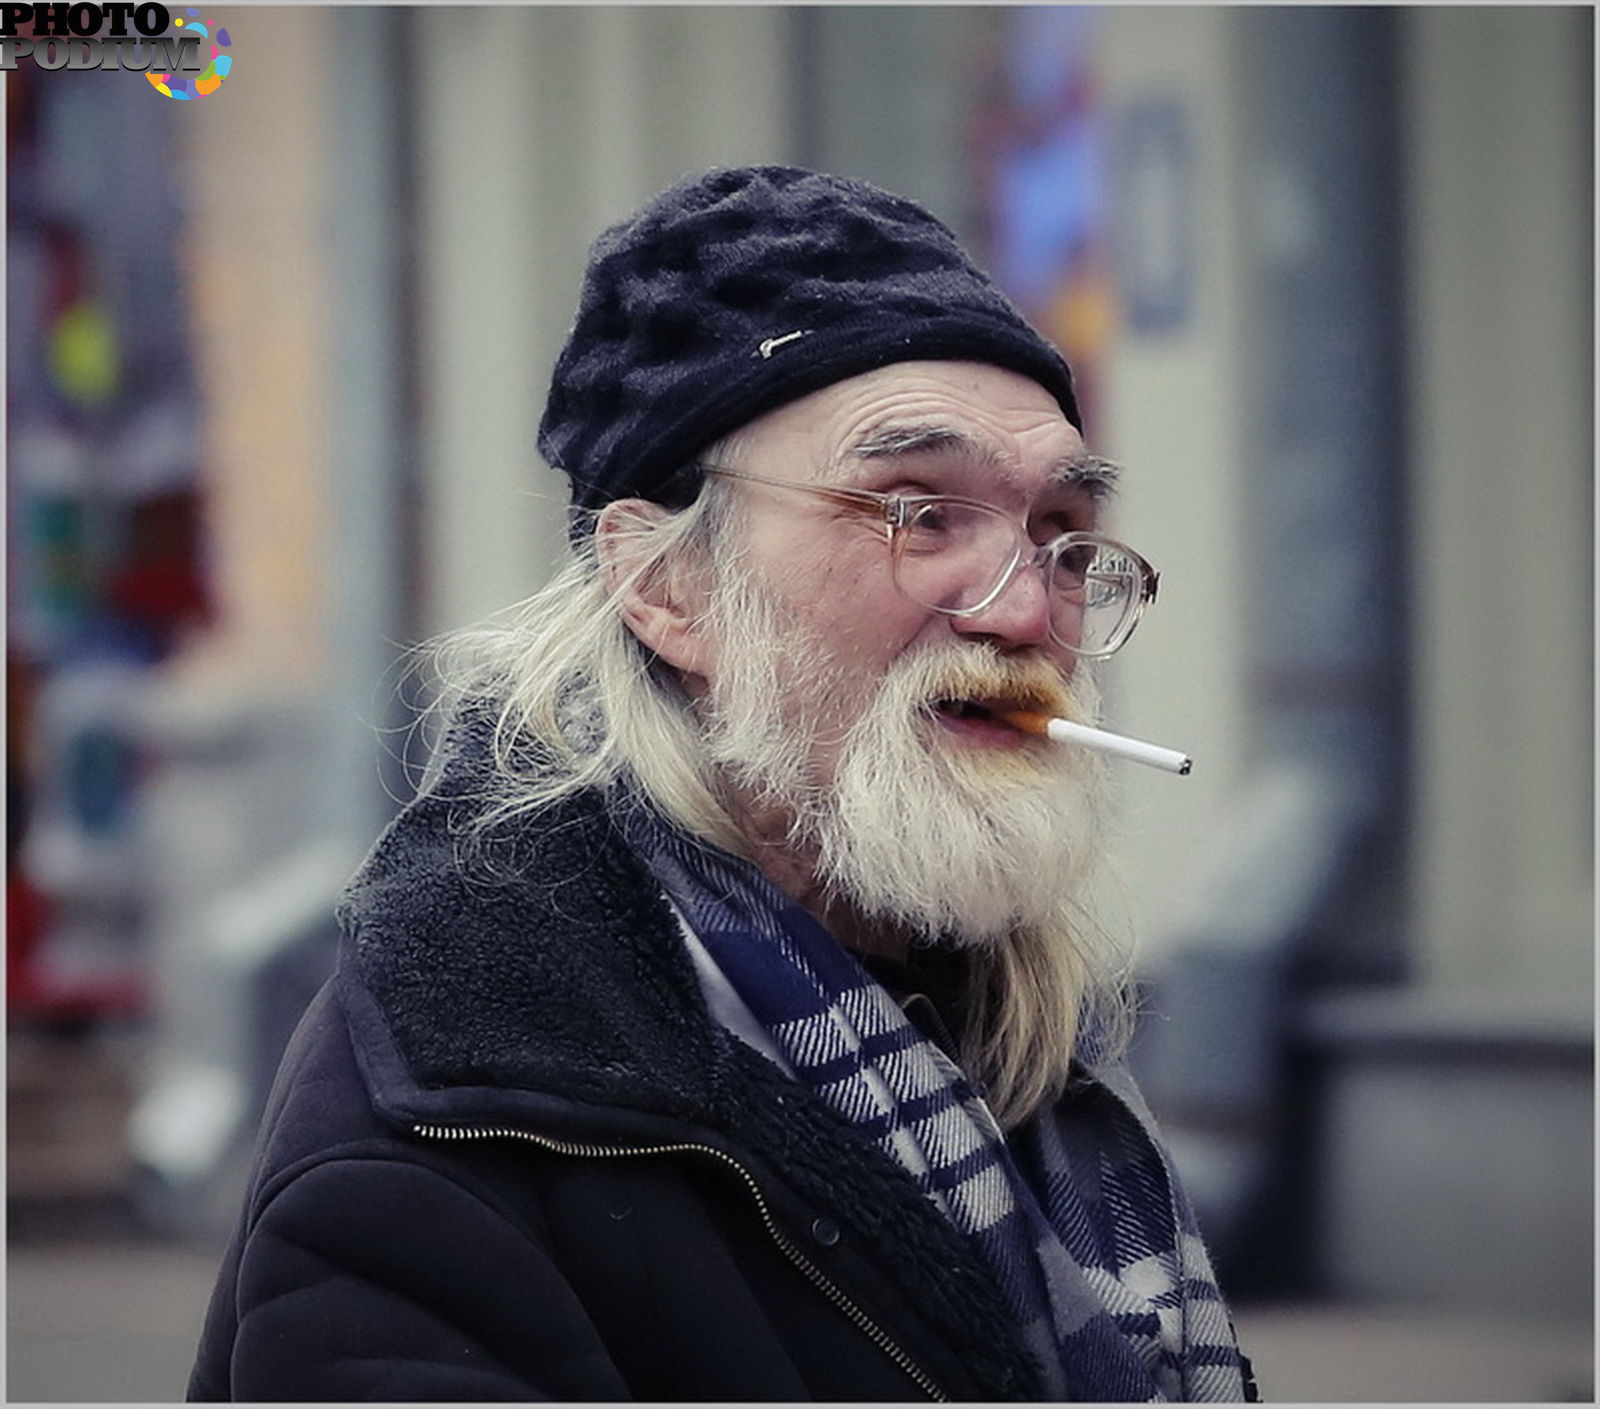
662	605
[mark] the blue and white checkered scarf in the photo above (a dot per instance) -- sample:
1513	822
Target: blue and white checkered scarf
1078	1214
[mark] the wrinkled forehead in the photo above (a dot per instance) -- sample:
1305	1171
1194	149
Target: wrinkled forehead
982	425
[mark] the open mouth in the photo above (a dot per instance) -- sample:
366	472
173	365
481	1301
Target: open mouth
981	719
964	709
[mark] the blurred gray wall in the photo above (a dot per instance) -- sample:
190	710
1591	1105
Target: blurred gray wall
572	115
1441	1120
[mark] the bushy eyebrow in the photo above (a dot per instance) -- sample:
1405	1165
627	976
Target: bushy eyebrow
910	440
1093	474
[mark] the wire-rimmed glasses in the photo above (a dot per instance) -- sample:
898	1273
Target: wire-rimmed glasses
956	556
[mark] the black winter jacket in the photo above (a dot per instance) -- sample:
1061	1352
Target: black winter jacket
510	1156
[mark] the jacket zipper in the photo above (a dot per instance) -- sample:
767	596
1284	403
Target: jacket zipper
813	1274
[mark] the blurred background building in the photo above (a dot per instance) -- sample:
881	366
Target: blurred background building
275	362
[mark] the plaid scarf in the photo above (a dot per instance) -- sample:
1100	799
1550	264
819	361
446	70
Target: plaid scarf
1078	1215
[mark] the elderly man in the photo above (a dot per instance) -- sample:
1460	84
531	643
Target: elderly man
725	1019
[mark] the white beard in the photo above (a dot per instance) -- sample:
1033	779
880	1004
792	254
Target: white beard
956	844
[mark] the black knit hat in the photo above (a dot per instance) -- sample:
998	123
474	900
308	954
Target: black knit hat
737	291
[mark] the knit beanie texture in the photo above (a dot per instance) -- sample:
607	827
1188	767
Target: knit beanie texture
737	291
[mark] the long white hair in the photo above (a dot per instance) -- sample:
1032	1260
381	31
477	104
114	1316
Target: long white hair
579	703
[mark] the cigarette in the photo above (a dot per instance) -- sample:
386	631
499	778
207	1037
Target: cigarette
1064	731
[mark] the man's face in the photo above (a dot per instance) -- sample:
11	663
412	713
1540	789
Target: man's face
860	712
914	428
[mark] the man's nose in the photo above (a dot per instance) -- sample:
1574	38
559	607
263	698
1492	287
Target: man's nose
1019	616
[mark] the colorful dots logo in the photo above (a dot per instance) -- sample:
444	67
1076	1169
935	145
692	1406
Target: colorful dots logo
208	81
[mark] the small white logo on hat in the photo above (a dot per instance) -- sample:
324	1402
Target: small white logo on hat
768	344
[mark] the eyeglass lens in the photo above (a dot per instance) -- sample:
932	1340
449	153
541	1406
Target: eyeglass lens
952	557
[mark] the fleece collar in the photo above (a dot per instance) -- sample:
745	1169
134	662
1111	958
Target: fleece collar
544	961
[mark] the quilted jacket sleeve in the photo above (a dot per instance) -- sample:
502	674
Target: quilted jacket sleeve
380	1279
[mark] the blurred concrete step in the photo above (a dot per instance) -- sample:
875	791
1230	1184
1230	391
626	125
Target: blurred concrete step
113	1320
1458	1151
1326	1353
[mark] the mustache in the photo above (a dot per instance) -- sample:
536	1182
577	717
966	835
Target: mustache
979	674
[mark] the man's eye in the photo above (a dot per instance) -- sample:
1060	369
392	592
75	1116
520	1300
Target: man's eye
933	519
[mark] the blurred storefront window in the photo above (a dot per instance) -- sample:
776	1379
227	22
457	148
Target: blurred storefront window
105	539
